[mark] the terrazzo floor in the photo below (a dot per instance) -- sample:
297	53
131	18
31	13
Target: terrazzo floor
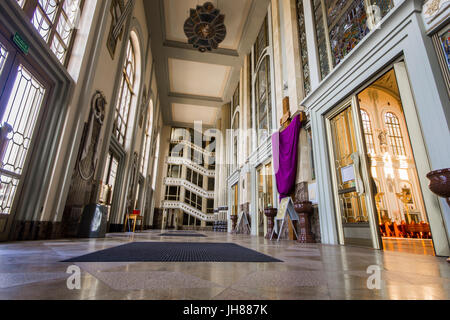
32	270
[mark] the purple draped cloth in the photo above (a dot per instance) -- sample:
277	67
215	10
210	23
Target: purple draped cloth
285	155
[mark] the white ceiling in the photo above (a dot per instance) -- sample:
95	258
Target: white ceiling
196	78
235	11
185	113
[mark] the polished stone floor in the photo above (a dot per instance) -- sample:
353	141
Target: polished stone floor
32	270
416	246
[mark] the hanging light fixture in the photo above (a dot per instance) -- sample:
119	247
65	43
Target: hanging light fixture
205	28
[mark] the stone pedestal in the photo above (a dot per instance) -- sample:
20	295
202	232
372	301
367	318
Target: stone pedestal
440	185
304	211
270	213
234	219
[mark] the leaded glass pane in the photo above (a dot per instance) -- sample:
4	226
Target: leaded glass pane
42	23
347	28
126	95
262	41
368	132
3	56
264	105
381	7
395	134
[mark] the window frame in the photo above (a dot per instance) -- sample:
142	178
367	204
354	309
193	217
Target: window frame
126	86
31	6
326	60
170	171
395	134
194	200
368	132
172	197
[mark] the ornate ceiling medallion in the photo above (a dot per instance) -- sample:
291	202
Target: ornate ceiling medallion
205	27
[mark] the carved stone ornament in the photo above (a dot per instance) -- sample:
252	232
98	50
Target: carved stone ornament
205	28
433	8
89	155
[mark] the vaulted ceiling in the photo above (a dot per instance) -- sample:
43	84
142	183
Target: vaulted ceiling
193	85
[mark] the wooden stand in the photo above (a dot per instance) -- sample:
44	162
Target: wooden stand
135	218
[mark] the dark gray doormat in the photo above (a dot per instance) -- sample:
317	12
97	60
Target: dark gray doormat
172	234
176	252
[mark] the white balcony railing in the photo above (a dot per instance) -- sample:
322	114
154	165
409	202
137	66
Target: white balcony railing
189	186
195	147
191	165
189	210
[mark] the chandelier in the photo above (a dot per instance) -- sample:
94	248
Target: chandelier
205	27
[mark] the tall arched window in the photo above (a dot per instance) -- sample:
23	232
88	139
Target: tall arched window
123	106
368	132
395	134
263	86
55	20
147	140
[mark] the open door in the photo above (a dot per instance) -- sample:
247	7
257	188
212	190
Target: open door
23	92
357	224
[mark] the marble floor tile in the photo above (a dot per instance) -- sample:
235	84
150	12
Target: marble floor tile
34	270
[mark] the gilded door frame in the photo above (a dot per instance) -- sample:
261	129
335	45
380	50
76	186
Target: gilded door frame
352	102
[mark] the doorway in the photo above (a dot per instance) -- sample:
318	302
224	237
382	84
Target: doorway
377	189
400	208
23	94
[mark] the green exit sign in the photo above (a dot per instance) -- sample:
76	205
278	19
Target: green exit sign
20	43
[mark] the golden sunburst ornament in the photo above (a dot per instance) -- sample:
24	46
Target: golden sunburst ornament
205	28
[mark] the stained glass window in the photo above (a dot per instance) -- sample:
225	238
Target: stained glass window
303	47
263	100
55	21
445	42
368	132
126	95
321	39
395	134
